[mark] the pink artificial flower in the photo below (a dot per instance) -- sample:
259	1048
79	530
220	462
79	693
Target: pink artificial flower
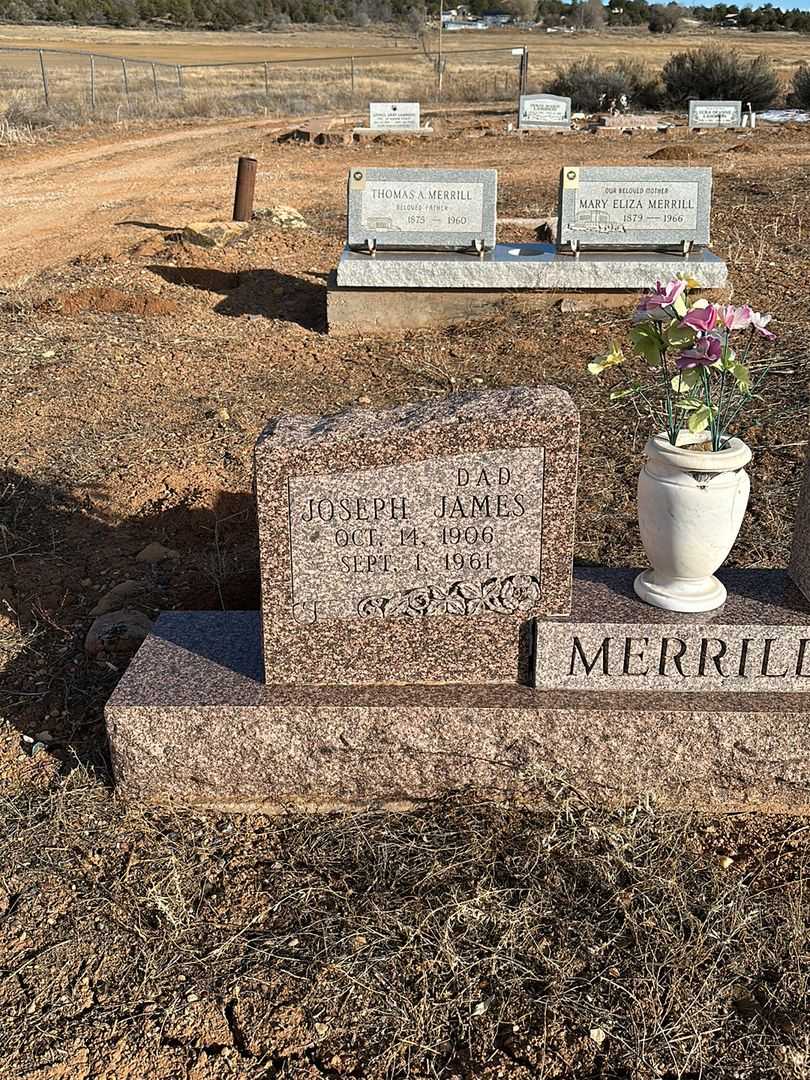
661	296
735	318
703	353
703	319
760	324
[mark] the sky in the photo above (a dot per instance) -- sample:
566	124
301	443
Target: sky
786	5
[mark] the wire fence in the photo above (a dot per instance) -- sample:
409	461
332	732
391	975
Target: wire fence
96	81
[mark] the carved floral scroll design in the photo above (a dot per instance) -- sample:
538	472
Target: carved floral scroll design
500	596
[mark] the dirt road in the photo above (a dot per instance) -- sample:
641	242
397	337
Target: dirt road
62	202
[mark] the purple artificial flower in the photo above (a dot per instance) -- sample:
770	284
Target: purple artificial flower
735	318
760	324
703	353
703	319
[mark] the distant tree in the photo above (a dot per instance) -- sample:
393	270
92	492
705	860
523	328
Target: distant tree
415	19
594	14
522	10
801	87
664	18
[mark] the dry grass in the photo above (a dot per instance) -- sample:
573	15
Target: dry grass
463	938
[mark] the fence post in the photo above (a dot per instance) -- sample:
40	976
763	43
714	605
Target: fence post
245	189
266	81
179	78
352	60
155	82
44	79
126	79
93	82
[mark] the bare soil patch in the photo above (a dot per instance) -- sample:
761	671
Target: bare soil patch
99	300
463	940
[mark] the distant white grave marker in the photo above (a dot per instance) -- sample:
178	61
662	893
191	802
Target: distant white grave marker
393	115
715	114
544	111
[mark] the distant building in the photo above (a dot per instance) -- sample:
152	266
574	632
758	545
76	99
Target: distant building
496	18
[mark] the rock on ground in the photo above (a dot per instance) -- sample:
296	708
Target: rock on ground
118	633
212	234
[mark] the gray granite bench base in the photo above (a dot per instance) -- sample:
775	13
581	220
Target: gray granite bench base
191	722
352	311
525	266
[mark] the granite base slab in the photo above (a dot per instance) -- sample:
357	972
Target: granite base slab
525	266
192	722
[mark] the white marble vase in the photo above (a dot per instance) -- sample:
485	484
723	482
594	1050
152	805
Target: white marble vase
691	504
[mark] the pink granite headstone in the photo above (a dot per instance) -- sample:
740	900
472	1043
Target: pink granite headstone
415	545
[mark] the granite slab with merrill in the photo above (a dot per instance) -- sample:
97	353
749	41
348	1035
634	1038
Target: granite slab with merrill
800	556
526	266
758	641
191	722
415	544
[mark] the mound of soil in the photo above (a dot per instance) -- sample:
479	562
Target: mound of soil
677	152
741	148
99	300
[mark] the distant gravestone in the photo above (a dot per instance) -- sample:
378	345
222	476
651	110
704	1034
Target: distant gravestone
446	209
393	115
715	114
412	545
544	111
637	208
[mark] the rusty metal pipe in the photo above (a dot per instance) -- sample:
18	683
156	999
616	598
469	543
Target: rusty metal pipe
245	189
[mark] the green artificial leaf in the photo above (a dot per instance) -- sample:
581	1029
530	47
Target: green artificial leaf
688	404
700	419
646	340
678	336
743	378
685	380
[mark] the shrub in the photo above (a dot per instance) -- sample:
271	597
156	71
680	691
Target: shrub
663	20
721	74
587	81
801	87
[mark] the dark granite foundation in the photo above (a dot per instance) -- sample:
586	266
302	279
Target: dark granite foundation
192	722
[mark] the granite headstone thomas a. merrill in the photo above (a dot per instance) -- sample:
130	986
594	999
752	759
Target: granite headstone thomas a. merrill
414	545
623	207
407	209
393	115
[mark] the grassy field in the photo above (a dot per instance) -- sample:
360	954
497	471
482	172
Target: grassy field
306	71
